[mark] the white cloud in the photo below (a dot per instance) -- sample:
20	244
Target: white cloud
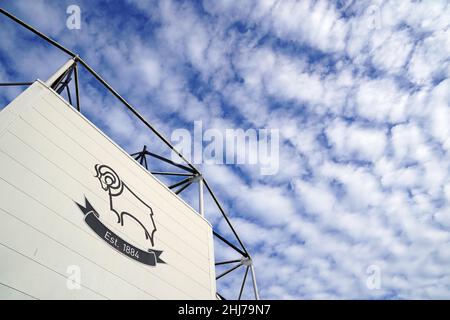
430	58
391	55
380	100
356	142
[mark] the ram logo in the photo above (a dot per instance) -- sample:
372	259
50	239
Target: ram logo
125	204
131	213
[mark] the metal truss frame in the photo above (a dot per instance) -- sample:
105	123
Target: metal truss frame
60	82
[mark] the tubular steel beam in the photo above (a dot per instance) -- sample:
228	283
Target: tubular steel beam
171	162
180	183
135	112
11	84
225	216
227	262
77	89
145	162
64	83
68	95
154	155
243	283
182	188
171	174
228	271
140	157
230	244
220	296
40	34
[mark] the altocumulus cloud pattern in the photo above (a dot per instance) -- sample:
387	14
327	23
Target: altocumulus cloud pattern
360	91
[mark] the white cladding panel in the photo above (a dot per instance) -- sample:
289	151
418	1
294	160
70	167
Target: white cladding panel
50	160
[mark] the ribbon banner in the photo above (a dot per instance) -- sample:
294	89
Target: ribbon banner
91	217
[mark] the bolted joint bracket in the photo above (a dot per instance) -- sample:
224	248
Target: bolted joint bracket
247	261
196	178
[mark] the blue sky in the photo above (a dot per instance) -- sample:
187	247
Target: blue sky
359	90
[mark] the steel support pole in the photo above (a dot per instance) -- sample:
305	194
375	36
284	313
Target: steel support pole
201	209
77	88
57	75
243	283
255	286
